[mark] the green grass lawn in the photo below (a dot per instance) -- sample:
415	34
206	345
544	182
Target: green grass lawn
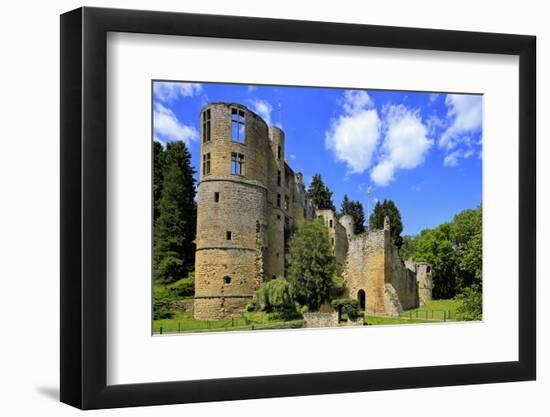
435	309
379	320
185	322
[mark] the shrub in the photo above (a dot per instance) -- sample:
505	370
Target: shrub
470	303
336	287
184	287
275	297
348	306
168	270
163	297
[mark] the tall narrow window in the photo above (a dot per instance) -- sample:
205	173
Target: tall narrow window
287	202
278	200
279	152
279	178
237	125
216	197
237	163
228	235
206	164
330	223
206	126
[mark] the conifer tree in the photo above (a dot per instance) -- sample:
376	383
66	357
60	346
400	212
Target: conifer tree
355	210
174	232
320	194
376	220
158	168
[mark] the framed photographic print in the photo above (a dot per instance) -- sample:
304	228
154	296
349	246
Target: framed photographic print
257	208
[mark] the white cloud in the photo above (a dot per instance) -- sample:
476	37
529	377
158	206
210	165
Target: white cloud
353	136
405	144
452	159
356	100
167	127
251	89
170	91
433	97
465	113
263	109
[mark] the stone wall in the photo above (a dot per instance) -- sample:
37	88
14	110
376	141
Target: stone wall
338	236
404	281
319	319
365	270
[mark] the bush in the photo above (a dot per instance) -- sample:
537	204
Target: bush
470	303
163	297
336	287
275	297
348	306
184	287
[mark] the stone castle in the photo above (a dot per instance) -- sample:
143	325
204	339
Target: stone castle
250	200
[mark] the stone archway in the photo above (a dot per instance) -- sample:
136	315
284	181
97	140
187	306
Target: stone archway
361	297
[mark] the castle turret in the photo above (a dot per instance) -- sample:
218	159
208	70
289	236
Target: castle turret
425	282
347	221
232	210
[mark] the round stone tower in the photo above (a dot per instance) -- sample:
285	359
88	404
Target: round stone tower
347	221
232	210
425	282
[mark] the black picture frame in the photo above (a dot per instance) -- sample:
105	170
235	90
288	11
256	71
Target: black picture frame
84	207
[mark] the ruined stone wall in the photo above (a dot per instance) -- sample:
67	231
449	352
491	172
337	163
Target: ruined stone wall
338	238
319	319
404	281
425	282
365	269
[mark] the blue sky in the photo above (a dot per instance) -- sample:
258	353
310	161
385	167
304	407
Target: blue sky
422	150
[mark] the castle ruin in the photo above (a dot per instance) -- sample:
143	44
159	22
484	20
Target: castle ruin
249	202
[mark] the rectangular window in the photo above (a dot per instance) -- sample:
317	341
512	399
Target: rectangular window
206	126
206	164
237	163
330	223
278	200
279	178
279	152
237	125
216	197
228	235
287	202
305	213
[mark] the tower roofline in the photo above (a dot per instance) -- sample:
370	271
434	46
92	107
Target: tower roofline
240	106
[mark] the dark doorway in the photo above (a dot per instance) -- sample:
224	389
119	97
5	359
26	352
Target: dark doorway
361	299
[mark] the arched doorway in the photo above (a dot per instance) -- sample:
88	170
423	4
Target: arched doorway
361	299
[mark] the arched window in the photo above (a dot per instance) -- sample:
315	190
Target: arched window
428	269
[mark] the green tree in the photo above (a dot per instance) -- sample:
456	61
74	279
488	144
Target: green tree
312	264
158	176
466	234
273	296
174	232
355	210
376	220
435	247
320	194
470	303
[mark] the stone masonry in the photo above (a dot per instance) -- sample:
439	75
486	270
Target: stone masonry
249	202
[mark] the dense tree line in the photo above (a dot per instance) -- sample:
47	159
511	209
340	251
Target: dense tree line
455	250
174	213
